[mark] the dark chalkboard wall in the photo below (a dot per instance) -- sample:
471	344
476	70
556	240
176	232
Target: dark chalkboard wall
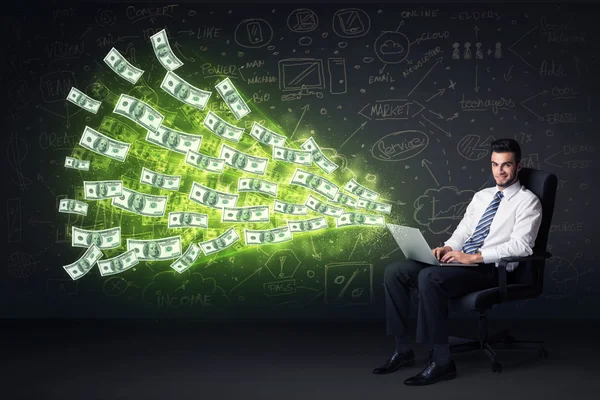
404	98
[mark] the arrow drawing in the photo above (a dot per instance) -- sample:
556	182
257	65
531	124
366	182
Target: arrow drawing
540	118
507	76
251	275
510	48
439	93
425	163
317	256
353	133
476	29
428	120
304	109
439	60
476	88
383	257
355	244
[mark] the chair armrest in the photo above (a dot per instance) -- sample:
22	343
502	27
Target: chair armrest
502	286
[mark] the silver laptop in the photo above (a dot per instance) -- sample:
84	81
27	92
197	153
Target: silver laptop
415	247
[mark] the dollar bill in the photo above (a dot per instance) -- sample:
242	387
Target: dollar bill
74	163
161	181
82	100
211	198
232	97
163	51
156	249
100	190
226	239
257	185
70	206
122	67
141	203
188	258
104	239
242	161
290	208
103	145
268	236
308	225
85	263
246	214
118	264
318	157
223	129
316	183
204	162
300	157
174	140
184	219
375	206
359	219
183	91
138	112
266	136
323	208
361	191
345	199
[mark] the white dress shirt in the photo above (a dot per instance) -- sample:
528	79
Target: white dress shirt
513	230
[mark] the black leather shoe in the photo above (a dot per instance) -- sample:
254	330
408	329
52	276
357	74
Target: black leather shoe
433	373
395	362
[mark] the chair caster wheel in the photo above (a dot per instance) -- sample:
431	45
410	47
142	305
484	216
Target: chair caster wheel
496	367
543	353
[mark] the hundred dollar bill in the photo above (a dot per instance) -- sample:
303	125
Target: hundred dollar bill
188	258
361	191
204	162
85	263
82	100
318	157
118	264
138	112
226	239
359	219
232	97
323	208
103	145
141	203
74	163
174	140
156	249
242	161
292	156
315	183
162	181
269	236
183	91
104	239
266	136
184	219
246	214
70	206
257	185
345	199
375	206
100	190
289	208
122	67
163	51
223	129
211	198
308	225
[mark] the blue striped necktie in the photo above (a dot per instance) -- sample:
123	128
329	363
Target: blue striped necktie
483	227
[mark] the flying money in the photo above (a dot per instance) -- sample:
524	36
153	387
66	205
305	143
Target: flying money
118	264
246	214
163	51
266	136
323	208
156	249
226	239
174	140
258	186
188	258
141	203
361	191
315	183
204	162
122	67
223	129
184	219
300	157
161	181
290	208
70	206
268	236
74	163
105	239
318	157
232	97
242	161
103	145
345	199
85	263
138	112
375	206
359	219
82	100
308	225
100	190
183	91
211	198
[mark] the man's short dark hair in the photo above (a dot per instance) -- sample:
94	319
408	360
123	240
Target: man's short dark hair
507	146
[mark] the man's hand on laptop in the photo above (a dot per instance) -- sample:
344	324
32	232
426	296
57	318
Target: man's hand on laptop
459	256
439	252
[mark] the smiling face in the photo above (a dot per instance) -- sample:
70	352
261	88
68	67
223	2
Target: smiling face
505	169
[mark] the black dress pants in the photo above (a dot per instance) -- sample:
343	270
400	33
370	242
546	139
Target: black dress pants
435	284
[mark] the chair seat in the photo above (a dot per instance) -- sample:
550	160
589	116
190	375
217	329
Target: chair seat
487	298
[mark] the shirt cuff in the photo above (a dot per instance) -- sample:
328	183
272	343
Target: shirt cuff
489	255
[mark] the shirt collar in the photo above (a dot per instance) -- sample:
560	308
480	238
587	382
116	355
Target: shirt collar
511	190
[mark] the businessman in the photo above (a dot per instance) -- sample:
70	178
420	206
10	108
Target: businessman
499	222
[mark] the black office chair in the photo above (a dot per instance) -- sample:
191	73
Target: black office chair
525	282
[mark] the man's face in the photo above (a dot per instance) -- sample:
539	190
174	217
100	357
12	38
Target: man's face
96	239
153	249
137	201
102	189
187	218
183	92
160	181
505	169
173	139
138	110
